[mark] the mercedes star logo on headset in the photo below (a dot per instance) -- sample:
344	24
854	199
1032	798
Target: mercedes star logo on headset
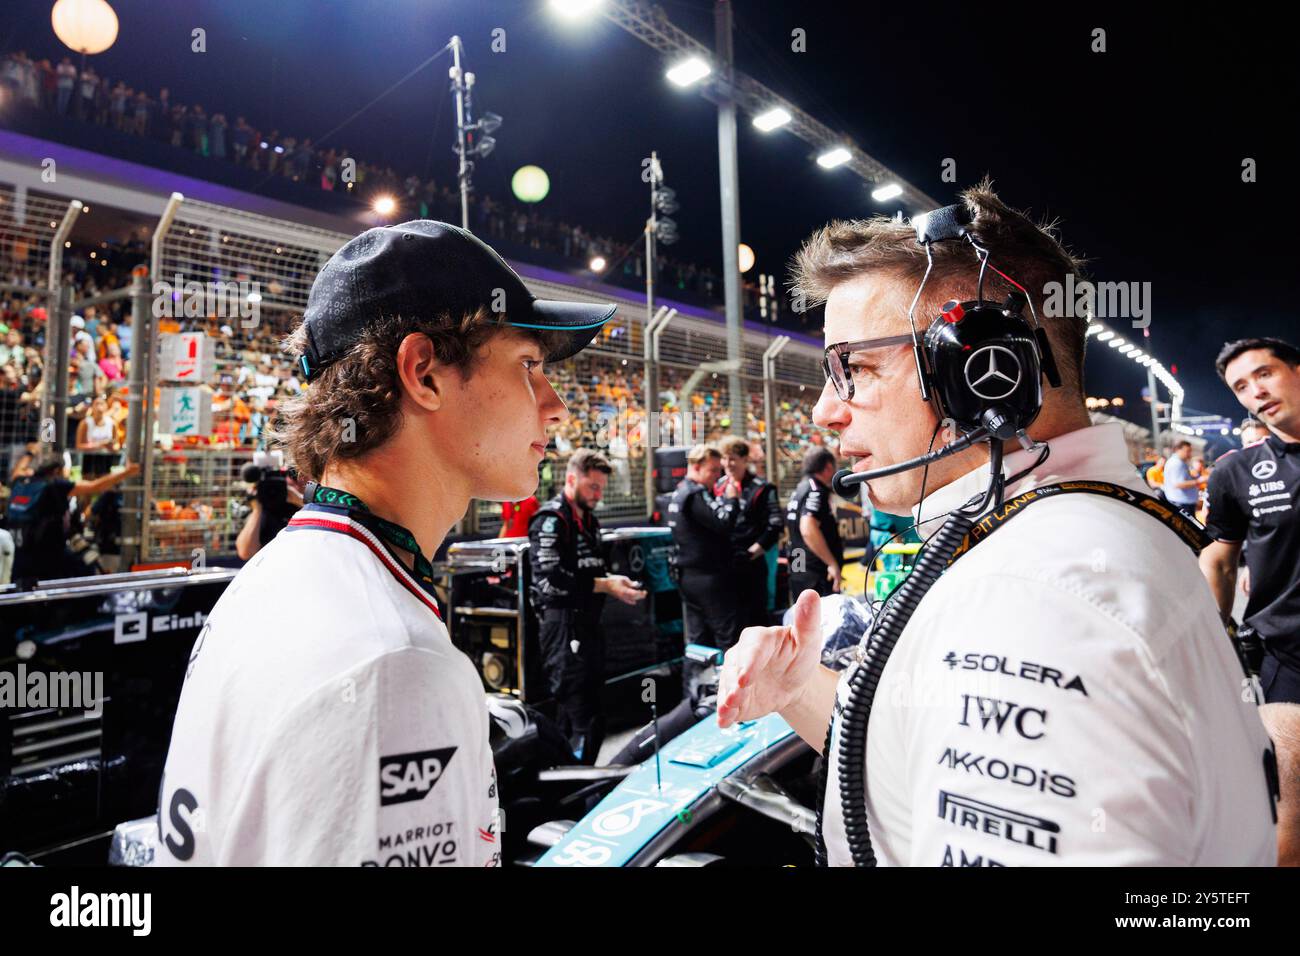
986	372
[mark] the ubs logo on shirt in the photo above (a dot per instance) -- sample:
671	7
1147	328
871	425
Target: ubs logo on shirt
407	777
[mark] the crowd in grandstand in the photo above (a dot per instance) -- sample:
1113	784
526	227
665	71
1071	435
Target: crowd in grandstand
82	94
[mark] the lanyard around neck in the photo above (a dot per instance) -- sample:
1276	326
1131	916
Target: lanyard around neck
389	532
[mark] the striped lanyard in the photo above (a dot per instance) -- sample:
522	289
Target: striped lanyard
320	497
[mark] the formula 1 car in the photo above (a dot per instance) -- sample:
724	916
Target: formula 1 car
688	793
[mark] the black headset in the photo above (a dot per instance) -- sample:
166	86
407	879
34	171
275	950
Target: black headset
981	360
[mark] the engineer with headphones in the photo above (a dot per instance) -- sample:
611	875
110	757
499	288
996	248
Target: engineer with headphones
1051	684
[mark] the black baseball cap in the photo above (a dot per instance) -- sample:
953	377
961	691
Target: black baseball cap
423	267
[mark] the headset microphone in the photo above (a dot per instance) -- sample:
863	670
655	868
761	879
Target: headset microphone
846	480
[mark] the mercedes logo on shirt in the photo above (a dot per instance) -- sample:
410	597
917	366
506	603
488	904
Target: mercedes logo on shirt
993	372
1263	470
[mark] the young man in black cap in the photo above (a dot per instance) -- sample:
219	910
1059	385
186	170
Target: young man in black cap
326	717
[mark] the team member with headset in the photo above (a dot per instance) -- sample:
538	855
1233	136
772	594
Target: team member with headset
1254	503
326	717
816	550
757	528
1051	684
702	524
569	584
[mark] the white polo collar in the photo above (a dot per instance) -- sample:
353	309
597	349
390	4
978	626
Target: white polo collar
1098	452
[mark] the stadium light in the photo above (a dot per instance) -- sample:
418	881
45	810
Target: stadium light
745	257
86	26
886	193
1103	336
772	119
833	157
384	205
688	71
574	9
597	264
530	184
1115	342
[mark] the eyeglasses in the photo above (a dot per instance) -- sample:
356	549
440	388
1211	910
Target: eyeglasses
835	361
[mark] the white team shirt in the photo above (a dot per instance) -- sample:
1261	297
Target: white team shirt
1065	694
327	719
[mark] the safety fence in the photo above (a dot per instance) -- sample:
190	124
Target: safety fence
224	287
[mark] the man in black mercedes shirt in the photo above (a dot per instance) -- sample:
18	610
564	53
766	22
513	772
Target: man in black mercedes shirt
569	584
1254	499
816	551
702	524
758	527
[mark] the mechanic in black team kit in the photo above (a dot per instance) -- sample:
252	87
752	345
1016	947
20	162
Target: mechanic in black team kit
569	585
702	524
1254	500
816	551
757	528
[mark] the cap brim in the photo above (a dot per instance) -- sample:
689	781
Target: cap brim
572	324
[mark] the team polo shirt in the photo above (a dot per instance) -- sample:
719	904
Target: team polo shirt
1064	694
326	718
812	498
1254	497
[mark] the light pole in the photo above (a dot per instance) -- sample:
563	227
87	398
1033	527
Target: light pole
729	178
657	227
460	86
472	138
1155	401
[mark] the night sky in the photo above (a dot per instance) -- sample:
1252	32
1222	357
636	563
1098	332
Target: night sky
1137	151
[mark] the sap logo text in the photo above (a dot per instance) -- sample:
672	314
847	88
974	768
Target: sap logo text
407	777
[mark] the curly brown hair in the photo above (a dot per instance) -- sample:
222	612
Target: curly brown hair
353	407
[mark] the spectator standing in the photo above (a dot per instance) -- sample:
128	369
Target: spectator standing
1182	488
140	114
88	85
217	136
241	137
112	365
65	81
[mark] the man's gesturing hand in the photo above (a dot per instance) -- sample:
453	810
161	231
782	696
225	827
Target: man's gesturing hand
768	667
